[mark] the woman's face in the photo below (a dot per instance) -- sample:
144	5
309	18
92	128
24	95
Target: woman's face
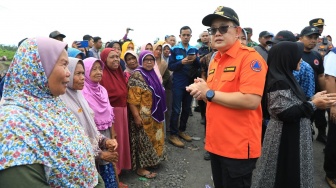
130	46
158	52
149	47
59	77
166	51
242	38
148	62
96	72
131	61
113	60
78	78
117	47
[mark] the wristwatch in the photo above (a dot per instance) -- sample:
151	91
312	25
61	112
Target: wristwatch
210	94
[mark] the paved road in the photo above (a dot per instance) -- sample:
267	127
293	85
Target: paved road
186	167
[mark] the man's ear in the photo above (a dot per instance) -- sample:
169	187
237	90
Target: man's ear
238	31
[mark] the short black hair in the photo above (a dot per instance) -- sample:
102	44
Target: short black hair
96	39
87	37
185	28
114	42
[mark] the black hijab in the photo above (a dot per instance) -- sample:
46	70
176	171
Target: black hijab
282	59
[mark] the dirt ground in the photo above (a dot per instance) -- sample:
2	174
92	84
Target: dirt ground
186	168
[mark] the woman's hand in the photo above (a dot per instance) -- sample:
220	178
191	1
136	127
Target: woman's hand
138	121
108	156
323	101
198	89
319	94
75	44
333	113
111	144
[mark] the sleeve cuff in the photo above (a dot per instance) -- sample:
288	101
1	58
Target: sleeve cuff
313	105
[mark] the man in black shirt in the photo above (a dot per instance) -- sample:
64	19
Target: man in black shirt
309	36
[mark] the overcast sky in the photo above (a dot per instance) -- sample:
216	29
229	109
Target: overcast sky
151	18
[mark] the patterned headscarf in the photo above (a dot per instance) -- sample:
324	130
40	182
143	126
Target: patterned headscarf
36	127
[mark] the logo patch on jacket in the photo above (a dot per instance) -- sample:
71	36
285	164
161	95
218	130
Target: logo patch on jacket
316	62
230	69
255	66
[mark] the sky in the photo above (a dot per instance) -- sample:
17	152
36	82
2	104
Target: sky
151	19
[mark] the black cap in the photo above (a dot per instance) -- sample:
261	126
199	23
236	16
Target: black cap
191	51
55	34
317	22
221	12
309	30
248	30
283	35
265	34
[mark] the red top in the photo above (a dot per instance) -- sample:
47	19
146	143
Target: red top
114	82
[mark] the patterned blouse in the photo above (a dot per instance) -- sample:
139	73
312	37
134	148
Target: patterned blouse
37	128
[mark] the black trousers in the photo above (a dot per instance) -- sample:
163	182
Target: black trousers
231	173
319	117
330	152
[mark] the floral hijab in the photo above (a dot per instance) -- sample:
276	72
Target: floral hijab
36	127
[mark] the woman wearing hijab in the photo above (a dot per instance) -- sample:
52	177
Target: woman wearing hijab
114	82
97	98
287	156
146	99
166	80
75	101
131	59
166	52
41	142
162	64
128	45
148	46
117	45
74	52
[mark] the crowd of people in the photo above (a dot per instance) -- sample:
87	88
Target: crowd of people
76	116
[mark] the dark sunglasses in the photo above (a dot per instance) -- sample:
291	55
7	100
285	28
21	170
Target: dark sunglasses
221	29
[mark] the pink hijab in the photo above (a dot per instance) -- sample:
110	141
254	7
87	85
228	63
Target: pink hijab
49	50
97	97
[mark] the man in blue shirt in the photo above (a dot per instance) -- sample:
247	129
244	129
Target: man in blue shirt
184	69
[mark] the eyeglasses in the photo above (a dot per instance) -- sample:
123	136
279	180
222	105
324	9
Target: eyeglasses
148	60
221	29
